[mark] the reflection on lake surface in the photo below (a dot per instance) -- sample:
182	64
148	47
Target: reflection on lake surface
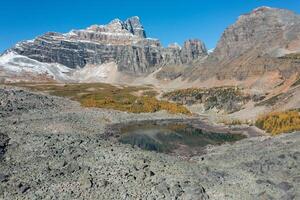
179	138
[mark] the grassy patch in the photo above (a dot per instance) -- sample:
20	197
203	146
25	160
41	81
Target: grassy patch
235	122
229	99
294	56
279	122
184	92
269	102
150	93
297	82
232	122
102	95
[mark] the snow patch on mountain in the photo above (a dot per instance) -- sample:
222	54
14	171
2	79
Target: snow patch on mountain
16	64
210	51
20	64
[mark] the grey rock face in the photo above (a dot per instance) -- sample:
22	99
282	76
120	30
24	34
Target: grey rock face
261	30
122	42
192	50
252	46
134	25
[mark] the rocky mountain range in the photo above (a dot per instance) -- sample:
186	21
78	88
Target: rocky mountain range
122	42
253	46
252	51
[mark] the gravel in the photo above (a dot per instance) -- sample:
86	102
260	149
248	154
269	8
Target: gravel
51	148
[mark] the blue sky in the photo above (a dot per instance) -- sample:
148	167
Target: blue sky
168	20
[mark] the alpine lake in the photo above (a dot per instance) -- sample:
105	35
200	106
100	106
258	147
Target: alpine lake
175	138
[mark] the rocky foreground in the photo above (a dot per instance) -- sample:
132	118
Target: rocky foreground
51	148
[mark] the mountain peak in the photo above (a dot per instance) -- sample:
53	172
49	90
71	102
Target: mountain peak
133	24
115	21
134	18
264	28
263	8
116	25
174	46
268	11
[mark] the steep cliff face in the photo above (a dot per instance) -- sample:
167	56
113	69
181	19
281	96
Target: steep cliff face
253	46
124	43
193	50
270	31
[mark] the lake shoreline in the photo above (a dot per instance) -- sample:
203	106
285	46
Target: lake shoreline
113	132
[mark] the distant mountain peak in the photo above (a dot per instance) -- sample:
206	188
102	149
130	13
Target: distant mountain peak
267	11
252	45
174	46
263	8
134	25
121	42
